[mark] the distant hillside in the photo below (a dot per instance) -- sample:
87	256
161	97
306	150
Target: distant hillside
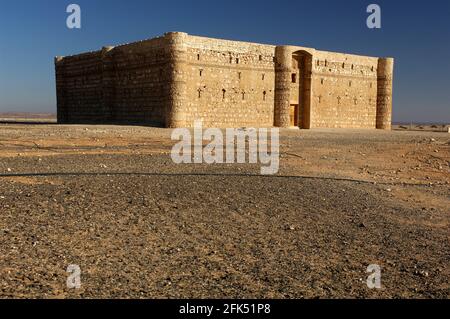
27	115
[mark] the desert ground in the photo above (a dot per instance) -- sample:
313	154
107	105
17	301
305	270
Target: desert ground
110	199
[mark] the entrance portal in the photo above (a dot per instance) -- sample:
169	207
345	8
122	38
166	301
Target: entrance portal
300	95
293	74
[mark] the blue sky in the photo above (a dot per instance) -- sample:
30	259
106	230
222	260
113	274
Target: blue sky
416	34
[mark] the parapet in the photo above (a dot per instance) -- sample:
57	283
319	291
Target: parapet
106	49
175	38
58	59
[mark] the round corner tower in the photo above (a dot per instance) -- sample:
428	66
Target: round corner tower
283	56
384	95
175	112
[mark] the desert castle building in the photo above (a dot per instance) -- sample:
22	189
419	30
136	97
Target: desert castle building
178	78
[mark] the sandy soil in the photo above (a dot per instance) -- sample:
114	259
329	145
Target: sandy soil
110	199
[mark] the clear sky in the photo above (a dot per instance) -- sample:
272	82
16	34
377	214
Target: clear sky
416	34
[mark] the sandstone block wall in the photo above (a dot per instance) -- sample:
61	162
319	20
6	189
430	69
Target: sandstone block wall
124	84
79	88
344	91
229	84
178	78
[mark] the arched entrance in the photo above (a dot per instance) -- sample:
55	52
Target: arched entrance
293	87
300	95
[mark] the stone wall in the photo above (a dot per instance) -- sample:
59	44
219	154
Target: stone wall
125	84
344	91
327	89
178	78
78	85
228	83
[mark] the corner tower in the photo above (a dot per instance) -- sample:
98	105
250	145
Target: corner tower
384	94
175	115
283	56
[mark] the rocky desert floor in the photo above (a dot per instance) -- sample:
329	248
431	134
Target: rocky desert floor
111	200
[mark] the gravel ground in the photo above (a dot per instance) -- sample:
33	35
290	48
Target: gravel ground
110	200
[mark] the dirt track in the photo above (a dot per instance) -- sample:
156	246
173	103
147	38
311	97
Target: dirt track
111	200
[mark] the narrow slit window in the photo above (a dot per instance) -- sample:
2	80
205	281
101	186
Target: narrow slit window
223	94
264	95
198	57
237	60
201	72
263	76
294	77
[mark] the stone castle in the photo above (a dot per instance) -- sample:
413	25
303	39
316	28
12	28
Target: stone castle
175	79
